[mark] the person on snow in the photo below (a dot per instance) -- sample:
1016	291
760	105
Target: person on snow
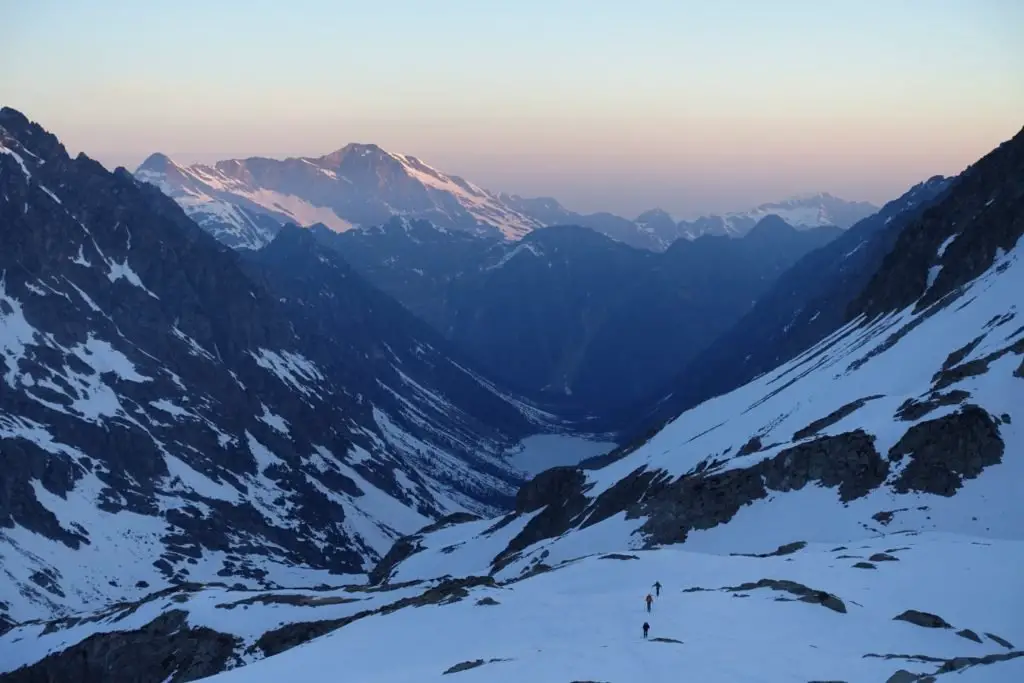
647	627
649	601
657	588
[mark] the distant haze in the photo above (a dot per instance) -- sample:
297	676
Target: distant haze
693	107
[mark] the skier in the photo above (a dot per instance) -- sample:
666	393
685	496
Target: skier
647	627
657	588
649	601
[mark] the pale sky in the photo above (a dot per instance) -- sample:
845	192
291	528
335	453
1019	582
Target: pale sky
616	106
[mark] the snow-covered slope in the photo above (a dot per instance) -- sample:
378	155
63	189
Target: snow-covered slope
240	201
809	614
171	412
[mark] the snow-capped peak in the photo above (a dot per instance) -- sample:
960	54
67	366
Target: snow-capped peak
244	201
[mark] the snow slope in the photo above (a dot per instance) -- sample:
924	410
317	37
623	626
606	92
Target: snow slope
809	615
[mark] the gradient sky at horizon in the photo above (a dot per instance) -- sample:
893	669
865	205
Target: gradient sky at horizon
615	106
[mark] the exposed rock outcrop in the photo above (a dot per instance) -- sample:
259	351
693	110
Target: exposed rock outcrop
925	619
167	650
803	593
786	549
833	417
846	461
945	451
913	410
560	491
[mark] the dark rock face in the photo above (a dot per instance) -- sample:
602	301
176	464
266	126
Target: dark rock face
550	487
292	635
848	461
624	494
404	548
407	546
832	418
982	213
951	373
923	619
559	491
913	410
883	557
947	450
787	549
1005	643
165	650
700	500
802	592
545	315
464	666
969	635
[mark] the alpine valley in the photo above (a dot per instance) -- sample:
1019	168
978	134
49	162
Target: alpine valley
269	420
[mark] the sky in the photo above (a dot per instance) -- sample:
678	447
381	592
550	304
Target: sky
620	106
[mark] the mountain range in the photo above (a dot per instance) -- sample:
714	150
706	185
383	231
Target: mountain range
568	314
173	410
243	202
245	465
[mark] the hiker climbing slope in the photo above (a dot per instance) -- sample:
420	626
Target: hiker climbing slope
647	627
657	588
649	601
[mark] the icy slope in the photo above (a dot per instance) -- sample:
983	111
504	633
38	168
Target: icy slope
813	614
242	201
167	415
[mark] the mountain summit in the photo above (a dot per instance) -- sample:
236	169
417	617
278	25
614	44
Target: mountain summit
242	202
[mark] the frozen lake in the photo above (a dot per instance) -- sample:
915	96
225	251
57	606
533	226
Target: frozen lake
541	451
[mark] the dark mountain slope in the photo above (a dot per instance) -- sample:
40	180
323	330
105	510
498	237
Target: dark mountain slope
345	318
570	314
937	254
166	417
807	303
413	261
